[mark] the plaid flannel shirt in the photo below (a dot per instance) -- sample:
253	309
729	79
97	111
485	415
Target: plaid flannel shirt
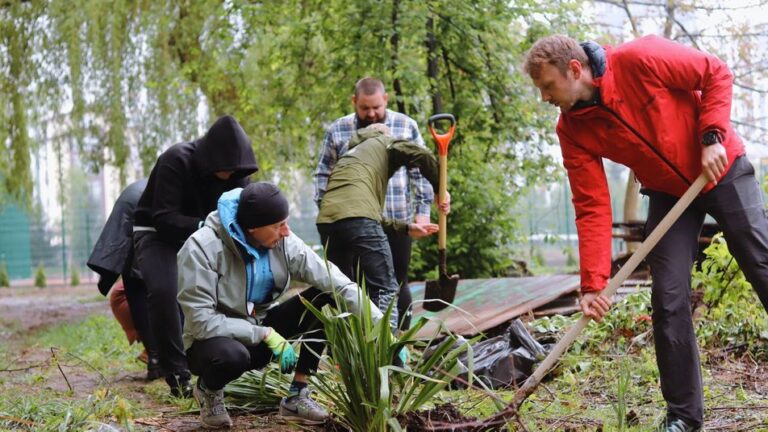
397	204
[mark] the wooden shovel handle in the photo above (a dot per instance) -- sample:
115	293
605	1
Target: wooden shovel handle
642	251
442	222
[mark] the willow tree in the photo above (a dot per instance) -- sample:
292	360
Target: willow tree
120	83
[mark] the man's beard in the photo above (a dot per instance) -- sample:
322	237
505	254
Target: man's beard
362	123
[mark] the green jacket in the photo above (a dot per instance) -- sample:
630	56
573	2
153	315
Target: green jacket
212	284
358	184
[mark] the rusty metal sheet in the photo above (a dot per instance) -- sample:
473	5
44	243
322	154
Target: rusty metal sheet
490	302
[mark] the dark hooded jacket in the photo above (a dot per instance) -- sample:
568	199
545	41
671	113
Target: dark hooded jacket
112	254
182	187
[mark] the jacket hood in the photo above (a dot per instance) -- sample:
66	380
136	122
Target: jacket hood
362	135
225	147
227	208
596	55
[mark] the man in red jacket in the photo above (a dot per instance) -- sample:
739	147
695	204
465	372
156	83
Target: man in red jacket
663	110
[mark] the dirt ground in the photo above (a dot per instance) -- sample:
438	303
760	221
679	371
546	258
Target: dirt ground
24	311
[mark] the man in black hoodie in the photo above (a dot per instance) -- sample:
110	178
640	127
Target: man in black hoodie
183	187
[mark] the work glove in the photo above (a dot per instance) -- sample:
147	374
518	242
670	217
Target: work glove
282	350
402	355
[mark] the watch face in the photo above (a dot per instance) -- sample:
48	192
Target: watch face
710	138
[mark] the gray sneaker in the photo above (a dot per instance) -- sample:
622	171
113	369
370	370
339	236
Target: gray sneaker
302	409
213	413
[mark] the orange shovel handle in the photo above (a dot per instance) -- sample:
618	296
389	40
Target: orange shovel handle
442	140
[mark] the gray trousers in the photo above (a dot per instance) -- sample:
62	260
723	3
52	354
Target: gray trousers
737	205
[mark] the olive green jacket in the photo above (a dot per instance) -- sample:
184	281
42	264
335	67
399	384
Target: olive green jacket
358	184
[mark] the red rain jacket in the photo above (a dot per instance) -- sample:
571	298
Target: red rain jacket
657	99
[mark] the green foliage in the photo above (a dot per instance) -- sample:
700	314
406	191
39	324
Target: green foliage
98	342
730	300
60	414
5	280
74	279
622	388
285	70
628	324
366	391
259	389
40	279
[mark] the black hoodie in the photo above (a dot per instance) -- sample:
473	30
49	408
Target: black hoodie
182	187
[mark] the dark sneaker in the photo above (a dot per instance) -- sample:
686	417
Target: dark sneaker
302	409
676	425
213	413
180	386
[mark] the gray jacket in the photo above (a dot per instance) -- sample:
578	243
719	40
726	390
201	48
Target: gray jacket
212	284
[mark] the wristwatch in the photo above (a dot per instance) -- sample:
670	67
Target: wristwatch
709	138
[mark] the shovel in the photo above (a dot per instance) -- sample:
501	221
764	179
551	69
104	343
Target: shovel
642	251
440	293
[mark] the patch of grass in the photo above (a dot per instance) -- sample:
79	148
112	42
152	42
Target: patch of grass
96	298
96	347
97	342
57	413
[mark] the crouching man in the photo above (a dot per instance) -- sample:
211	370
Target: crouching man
231	272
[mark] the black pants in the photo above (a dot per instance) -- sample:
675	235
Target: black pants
400	246
219	360
156	260
359	244
737	205
136	295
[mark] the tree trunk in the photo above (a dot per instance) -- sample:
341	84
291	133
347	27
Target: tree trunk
432	66
395	41
630	205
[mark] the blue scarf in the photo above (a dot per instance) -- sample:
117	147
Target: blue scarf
258	273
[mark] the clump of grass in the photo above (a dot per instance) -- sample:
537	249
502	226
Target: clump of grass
40	278
59	414
5	280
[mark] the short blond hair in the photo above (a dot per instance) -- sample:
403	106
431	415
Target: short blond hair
556	50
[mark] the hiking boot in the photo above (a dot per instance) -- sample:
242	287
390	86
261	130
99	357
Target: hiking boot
672	424
213	413
180	386
302	409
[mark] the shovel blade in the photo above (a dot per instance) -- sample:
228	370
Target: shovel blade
442	289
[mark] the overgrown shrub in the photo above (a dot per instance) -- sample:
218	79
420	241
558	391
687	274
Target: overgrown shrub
5	280
74	279
734	316
623	326
40	279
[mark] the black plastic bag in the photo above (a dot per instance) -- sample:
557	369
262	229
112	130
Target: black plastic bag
502	361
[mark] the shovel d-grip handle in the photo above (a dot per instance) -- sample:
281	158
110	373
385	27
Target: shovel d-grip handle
442	140
642	251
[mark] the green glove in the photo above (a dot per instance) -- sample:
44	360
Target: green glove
282	350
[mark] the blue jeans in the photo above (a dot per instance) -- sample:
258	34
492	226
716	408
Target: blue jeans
359	245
